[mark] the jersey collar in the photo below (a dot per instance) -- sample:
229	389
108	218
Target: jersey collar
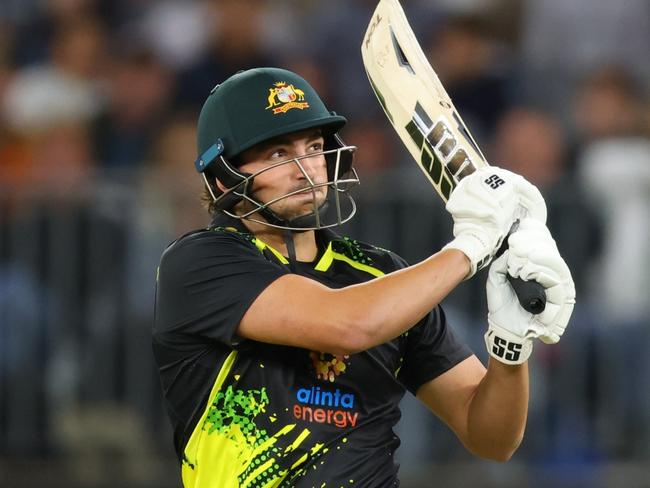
323	236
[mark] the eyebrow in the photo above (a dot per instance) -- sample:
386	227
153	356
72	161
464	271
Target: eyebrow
286	141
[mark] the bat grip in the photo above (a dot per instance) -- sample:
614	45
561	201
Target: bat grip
531	295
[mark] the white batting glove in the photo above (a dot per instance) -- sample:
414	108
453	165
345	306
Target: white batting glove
484	206
532	255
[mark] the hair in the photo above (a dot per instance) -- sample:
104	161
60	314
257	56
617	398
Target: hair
207	202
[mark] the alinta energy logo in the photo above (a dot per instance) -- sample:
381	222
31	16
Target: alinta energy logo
326	406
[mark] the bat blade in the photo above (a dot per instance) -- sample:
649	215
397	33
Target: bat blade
423	115
415	101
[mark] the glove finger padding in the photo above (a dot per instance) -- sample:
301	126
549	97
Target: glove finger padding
533	255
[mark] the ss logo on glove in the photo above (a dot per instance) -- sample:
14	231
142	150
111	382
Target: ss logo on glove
494	181
510	351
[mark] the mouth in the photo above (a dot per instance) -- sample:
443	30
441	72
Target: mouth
307	193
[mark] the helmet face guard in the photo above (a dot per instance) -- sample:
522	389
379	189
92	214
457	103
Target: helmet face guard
337	208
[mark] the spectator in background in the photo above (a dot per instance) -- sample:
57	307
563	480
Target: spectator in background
47	107
562	41
614	167
609	104
177	31
474	70
62	160
237	43
67	85
139	96
38	23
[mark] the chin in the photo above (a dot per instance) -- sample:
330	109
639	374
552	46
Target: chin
301	210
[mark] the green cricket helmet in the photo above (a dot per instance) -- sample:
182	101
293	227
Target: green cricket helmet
254	106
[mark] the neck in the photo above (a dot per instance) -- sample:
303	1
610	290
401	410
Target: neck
304	242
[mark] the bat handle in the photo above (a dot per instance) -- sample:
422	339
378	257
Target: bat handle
531	295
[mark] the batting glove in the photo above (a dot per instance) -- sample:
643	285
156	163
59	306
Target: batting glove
484	206
532	255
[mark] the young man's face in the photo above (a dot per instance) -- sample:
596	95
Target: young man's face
289	177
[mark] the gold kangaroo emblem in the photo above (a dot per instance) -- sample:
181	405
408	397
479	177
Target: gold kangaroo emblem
273	93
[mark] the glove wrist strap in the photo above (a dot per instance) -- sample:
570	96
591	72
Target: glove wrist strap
507	347
474	248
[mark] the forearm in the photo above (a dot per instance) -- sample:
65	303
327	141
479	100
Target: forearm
498	410
384	308
354	318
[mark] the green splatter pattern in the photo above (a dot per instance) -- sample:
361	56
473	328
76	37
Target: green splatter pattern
232	415
239	408
352	249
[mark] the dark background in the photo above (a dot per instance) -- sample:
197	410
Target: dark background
98	105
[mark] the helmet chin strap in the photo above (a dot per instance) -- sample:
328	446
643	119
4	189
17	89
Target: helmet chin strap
287	235
312	219
296	225
299	224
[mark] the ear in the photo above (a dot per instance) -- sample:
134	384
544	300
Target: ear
220	185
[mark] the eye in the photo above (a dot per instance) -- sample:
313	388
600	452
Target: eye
278	154
316	146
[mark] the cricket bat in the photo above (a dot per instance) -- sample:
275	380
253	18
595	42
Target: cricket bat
424	116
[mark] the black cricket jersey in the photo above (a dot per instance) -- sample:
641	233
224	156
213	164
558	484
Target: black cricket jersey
252	415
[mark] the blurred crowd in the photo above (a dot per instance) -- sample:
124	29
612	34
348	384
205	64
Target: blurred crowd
95	91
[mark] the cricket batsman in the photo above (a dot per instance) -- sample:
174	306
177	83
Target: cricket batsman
284	348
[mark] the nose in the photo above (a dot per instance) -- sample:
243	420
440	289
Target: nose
308	165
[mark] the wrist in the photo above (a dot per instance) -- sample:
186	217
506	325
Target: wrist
459	260
506	369
475	249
